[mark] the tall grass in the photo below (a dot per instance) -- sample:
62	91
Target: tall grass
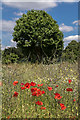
23	106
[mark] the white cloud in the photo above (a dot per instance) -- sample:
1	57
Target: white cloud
12	41
18	14
70	38
7	25
76	22
26	5
65	28
15	19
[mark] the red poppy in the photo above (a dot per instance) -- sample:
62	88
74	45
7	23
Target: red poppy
8	117
69	81
50	88
23	88
22	83
39	103
43	92
56	86
69	89
0	83
32	84
74	100
40	85
33	89
36	92
57	94
62	106
43	108
15	94
58	97
27	85
15	82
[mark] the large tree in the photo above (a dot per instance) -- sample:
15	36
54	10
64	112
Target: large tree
38	34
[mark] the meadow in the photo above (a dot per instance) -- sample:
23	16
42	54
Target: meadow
56	100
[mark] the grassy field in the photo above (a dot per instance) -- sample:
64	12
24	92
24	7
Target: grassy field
24	105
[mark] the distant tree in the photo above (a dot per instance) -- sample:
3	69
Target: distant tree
71	51
11	55
38	35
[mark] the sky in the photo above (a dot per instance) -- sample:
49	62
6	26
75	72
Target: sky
65	13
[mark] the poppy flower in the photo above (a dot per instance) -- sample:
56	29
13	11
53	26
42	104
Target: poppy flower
22	83
58	97
56	86
27	85
57	94
32	84
43	108
43	92
15	82
74	100
69	89
36	92
40	85
33	89
62	106
0	83
8	117
15	94
39	103
23	88
50	88
69	81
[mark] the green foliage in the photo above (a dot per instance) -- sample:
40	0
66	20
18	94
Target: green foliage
12	58
11	55
71	51
38	35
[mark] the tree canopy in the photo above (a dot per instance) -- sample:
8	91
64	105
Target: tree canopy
38	34
71	51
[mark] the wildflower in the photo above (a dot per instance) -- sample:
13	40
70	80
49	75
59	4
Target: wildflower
33	89
62	106
23	88
39	103
36	92
15	82
50	88
69	89
8	117
22	83
69	81
32	84
43	108
15	94
56	86
74	100
57	96
27	85
43	92
0	83
40	85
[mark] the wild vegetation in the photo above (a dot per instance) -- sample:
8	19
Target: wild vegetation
55	76
40	79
